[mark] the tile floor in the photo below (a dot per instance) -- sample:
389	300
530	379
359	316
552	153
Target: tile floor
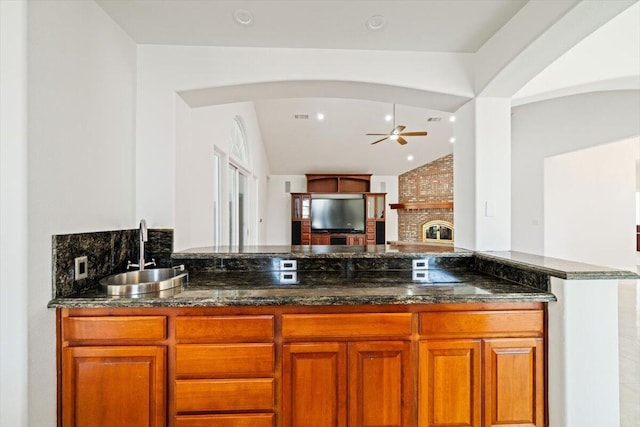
629	338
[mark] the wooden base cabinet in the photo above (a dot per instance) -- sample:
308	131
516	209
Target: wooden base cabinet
380	384
314	388
114	386
449	384
513	382
369	381
432	365
481	369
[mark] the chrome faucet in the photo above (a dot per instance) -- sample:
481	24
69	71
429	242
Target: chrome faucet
144	236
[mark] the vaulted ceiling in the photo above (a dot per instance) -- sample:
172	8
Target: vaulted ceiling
502	44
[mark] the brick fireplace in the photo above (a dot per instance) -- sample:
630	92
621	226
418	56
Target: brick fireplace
429	185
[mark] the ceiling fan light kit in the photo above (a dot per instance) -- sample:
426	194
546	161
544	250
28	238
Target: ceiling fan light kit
396	133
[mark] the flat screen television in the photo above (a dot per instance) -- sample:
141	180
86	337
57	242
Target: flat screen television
338	215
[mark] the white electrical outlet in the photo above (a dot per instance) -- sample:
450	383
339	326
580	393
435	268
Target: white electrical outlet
82	268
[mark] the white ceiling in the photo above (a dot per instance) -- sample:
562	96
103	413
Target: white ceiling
296	147
339	144
433	25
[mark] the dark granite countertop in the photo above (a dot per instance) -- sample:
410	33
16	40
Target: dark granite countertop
563	269
322	288
352	275
322	251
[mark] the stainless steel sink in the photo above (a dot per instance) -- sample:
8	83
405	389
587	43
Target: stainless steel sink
144	281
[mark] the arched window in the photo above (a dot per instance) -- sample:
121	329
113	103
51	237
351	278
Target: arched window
239	149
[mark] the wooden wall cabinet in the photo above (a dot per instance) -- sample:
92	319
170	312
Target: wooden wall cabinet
338	183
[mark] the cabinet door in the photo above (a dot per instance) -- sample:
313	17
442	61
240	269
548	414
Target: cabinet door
314	385
513	382
320	239
449	383
379	384
113	386
355	239
300	206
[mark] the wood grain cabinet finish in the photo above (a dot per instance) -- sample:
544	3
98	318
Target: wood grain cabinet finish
449	383
236	328
224	395
514	382
345	326
380	384
438	365
237	420
225	360
469	378
115	328
114	386
220	374
314	385
320	239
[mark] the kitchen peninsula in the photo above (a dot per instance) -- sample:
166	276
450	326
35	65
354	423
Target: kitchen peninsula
318	336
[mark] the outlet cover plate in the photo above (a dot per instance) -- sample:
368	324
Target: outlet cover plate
82	268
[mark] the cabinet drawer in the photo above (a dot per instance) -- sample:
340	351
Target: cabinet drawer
237	420
104	328
482	323
224	395
211	360
224	328
296	326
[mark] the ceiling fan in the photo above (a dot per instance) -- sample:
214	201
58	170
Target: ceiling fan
397	133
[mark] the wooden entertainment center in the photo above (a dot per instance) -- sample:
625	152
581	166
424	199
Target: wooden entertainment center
338	187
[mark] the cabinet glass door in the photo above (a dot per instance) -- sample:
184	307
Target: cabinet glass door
375	206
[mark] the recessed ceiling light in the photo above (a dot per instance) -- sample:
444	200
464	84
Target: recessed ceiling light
452	118
452	139
376	22
388	117
410	157
243	17
320	116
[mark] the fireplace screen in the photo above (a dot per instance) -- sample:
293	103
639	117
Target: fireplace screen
437	232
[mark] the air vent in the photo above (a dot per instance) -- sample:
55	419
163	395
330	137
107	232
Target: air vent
301	116
434	119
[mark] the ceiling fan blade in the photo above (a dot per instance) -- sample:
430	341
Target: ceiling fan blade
379	134
401	140
380	140
413	133
399	129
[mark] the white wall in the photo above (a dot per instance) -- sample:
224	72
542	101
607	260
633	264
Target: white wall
464	173
553	127
589	199
165	70
482	175
199	132
13	214
279	207
82	76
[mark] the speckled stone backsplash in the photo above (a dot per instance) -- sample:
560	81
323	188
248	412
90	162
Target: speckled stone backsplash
107	253
527	277
325	262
